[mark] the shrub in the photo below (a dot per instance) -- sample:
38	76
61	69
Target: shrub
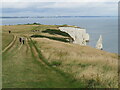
56	63
53	38
83	65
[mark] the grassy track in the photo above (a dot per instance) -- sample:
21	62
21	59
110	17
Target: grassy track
68	77
22	69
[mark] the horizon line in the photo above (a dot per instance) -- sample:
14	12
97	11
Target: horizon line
49	16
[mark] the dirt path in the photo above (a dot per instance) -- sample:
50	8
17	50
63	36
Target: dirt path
35	52
23	67
10	45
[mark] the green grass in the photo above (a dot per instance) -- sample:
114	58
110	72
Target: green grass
6	39
27	72
22	69
46	60
67	77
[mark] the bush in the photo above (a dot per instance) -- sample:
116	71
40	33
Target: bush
83	65
56	63
33	23
54	31
64	25
53	38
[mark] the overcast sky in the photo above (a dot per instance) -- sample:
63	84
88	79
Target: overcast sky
60	8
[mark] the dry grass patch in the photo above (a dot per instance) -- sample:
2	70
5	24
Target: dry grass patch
94	67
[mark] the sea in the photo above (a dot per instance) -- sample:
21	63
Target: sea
95	26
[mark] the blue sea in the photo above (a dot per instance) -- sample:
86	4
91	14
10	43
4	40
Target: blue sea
95	26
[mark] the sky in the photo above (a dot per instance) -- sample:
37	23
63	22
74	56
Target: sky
59	8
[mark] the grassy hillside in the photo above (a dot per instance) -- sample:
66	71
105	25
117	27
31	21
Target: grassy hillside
48	59
94	67
6	38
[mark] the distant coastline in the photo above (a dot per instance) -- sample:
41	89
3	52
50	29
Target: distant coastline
95	25
54	16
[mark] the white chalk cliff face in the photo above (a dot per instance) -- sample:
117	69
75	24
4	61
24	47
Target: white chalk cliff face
99	43
79	35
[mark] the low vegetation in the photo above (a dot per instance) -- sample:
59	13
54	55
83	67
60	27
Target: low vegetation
53	38
94	67
48	60
54	32
56	63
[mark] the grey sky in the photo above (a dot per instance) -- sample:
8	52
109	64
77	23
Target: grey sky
60	8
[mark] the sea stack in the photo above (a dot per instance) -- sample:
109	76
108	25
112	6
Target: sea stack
99	43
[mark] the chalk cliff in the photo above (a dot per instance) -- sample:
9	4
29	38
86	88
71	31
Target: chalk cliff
79	35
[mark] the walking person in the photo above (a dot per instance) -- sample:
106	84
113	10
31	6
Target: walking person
9	31
23	41
20	39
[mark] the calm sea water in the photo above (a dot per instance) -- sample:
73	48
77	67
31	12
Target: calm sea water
95	26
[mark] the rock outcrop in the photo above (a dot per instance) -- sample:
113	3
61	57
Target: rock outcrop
99	43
